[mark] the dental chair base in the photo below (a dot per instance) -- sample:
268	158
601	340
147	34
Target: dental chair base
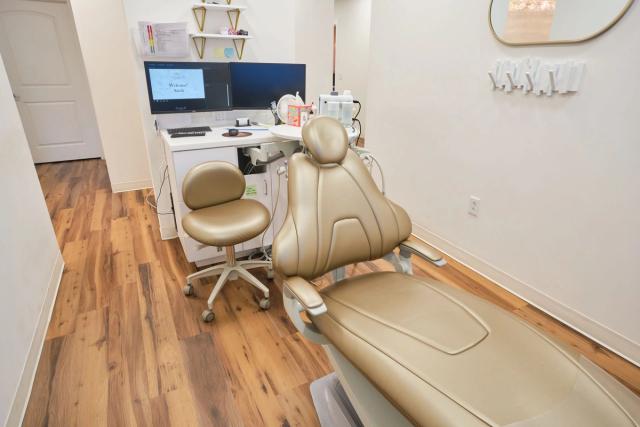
332	403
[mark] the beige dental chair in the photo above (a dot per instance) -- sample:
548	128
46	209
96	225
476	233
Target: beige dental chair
411	350
219	217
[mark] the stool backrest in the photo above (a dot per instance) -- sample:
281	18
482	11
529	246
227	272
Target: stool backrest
212	183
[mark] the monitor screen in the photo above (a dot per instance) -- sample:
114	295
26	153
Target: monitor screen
185	87
255	85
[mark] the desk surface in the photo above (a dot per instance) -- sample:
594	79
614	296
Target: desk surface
214	139
259	134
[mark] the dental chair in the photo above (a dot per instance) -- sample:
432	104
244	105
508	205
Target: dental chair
411	350
220	217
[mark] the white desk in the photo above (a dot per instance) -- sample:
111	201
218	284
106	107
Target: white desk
182	154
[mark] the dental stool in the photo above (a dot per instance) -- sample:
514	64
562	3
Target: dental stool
410	350
219	217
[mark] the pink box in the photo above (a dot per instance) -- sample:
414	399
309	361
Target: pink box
298	115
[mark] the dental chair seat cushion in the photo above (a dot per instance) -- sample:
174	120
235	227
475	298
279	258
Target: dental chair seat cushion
445	357
227	224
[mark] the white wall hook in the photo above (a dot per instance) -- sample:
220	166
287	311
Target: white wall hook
510	78
539	77
529	80
552	83
493	80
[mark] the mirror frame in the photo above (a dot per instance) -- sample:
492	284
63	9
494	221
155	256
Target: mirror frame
554	42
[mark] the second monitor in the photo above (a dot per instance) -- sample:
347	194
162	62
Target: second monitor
254	85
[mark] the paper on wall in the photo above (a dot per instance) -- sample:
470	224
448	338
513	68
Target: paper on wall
164	39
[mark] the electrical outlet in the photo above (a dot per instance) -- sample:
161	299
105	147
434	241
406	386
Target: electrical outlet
474	206
219	116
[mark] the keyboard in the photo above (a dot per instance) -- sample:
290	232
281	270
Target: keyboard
189	130
187	134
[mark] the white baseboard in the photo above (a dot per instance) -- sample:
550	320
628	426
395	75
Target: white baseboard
610	339
121	187
23	392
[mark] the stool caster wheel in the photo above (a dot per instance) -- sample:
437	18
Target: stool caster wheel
265	303
188	290
208	316
270	273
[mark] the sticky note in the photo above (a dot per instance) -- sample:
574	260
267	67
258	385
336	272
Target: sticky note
218	52
228	52
251	190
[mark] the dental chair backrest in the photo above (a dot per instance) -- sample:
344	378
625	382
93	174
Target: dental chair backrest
337	215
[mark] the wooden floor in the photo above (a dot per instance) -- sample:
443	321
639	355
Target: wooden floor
125	347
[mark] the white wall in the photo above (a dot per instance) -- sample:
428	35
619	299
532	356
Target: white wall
108	58
281	34
557	177
30	261
353	19
313	43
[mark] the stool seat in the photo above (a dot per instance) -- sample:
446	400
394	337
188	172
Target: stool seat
227	224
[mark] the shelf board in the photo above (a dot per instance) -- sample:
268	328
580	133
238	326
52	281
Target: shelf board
220	7
218	36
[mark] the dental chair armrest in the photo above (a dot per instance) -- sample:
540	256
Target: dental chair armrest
306	294
424	251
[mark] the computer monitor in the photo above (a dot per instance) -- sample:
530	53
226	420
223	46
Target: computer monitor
255	85
186	87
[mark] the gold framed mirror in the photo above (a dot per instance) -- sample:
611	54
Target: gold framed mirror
546	22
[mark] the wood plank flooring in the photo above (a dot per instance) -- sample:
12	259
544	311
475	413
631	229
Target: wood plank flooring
126	348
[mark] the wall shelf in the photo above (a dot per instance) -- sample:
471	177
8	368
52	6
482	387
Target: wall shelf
223	7
233	13
200	39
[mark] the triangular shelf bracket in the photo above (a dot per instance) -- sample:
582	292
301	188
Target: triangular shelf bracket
200	15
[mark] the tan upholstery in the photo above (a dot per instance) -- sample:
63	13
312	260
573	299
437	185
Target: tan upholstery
227	224
336	215
442	356
326	141
420	249
212	183
219	218
445	357
304	292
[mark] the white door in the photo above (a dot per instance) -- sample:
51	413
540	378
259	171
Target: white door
41	53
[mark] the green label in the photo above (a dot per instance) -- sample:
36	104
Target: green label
251	190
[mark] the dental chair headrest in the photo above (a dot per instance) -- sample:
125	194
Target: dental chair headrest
326	139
